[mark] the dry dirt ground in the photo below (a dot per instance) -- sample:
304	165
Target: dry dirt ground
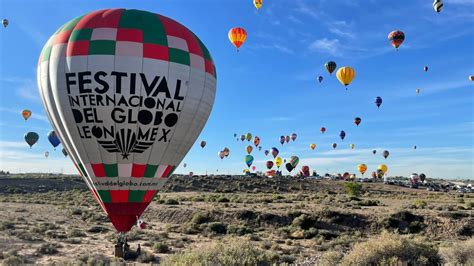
295	220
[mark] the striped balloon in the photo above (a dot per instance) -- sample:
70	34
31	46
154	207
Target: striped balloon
396	38
438	5
237	36
128	92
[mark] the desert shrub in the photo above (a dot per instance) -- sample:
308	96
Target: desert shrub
303	221
294	213
420	204
48	249
470	205
97	229
353	188
368	203
390	248
171	202
277	197
404	222
235	253
459	253
239	230
76	212
200	218
217	228
43	227
55	234
13	260
222	199
26	235
330	258
5	225
460	200
161	247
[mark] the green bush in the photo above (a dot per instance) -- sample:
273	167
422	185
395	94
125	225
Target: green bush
171	202
235	253
391	249
48	249
161	247
217	228
420	204
200	218
353	188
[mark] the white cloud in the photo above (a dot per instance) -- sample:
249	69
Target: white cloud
325	45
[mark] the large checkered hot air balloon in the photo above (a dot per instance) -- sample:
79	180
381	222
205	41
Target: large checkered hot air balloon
128	93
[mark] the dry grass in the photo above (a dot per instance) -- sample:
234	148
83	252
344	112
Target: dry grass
459	253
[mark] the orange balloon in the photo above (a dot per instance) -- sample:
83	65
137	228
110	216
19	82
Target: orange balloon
26	114
237	36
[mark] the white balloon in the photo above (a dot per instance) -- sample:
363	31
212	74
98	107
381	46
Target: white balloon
128	93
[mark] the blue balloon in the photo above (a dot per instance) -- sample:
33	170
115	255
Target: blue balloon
378	101
342	135
53	138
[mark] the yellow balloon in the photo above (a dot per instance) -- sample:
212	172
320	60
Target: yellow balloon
278	161
312	146
345	75
353	146
257	4
383	168
362	168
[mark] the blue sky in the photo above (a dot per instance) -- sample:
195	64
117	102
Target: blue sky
269	88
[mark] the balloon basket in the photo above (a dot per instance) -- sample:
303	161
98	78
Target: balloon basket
122	249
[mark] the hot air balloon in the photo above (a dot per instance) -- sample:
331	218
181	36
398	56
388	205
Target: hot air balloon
26	114
346	176
46	154
374	175
278	162
248	160
294	160
383	168
275	152
378	101
221	154
386	154
266	152
246	171
253	168
53	139
362	168
5	22
414	147
289	167
287	139
226	152
396	38
330	66
259	148
131	142
357	121
293	136
342	135
320	79
437	5
471	77
269	164
353	146
282	139
64	152
242	137
414	178
31	138
248	136
203	144
249	149
425	68
374	151
345	75
305	171
256	141
184	165
270	173
312	146
422	177
257	4
323	129
418	91
237	37
334	145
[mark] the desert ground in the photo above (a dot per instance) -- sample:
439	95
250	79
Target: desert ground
237	220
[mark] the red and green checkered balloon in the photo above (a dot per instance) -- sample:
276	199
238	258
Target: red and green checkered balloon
128	92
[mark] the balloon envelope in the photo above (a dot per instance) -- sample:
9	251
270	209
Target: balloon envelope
312	146
383	168
275	152
237	36
345	75
362	168
248	160
31	138
378	101
249	149
146	65
386	154
278	161
342	134
203	144
53	138
323	129
289	167
269	164
396	38
330	66
26	114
